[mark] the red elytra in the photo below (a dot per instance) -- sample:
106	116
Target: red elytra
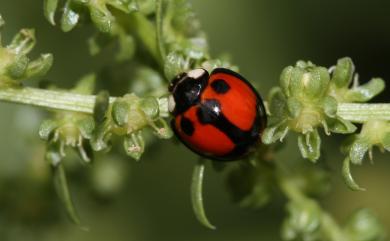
219	116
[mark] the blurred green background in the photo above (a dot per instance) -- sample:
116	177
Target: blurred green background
148	201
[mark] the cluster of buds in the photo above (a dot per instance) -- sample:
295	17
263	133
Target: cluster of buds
128	116
15	64
307	99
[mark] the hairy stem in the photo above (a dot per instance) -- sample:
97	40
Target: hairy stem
360	113
57	100
60	100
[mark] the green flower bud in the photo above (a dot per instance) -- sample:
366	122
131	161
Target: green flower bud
309	145
101	17
343	75
134	145
50	7
343	72
120	109
39	67
150	107
309	83
23	42
18	67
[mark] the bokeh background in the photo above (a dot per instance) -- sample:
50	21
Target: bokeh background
149	200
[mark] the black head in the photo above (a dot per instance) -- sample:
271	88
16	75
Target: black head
186	89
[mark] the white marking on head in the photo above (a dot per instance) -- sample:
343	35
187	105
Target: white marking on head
196	73
171	104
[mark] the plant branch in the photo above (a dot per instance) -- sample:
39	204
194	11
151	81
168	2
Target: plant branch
360	113
329	228
60	100
51	99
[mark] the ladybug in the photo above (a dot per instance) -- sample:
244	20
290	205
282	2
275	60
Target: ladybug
219	116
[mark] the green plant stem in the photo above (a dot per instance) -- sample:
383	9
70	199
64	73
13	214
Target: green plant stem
60	100
330	229
50	99
360	113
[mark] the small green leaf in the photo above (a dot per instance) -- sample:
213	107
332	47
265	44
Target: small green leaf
126	6
69	18
366	92
285	79
339	125
46	129
50	7
277	104
348	176
40	66
162	129
317	84
23	42
120	112
296	82
343	72
197	196
358	150
309	145
149	106
274	133
18	67
134	145
101	17
62	189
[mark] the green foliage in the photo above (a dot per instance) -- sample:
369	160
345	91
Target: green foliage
127	117
15	64
160	39
373	133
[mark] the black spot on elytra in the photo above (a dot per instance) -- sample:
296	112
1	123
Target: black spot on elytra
220	86
208	112
186	126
